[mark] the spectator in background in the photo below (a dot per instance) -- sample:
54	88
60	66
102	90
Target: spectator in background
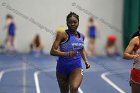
36	45
9	42
111	48
91	31
60	29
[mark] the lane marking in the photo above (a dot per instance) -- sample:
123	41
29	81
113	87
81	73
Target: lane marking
8	70
2	73
24	78
104	77
37	82
36	78
80	90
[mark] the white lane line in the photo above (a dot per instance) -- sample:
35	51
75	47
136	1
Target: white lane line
8	70
80	90
24	77
103	76
37	81
1	74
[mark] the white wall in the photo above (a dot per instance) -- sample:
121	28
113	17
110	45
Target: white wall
52	13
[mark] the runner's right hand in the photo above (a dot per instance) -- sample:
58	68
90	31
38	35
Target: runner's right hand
136	57
72	53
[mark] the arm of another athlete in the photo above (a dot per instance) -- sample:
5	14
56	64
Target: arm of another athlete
128	51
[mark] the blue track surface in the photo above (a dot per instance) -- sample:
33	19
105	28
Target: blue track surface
24	73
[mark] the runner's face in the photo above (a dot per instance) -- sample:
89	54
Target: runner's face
72	23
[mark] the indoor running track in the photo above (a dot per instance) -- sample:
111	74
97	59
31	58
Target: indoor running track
25	73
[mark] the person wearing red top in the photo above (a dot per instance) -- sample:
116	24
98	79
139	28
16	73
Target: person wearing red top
133	52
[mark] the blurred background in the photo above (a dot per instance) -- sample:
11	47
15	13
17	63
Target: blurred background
32	16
